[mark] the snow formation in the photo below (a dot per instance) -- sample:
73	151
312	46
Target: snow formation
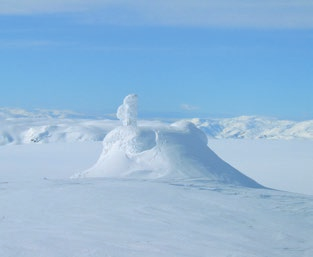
177	151
127	112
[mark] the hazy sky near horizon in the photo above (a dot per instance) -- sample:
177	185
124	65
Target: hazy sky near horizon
193	58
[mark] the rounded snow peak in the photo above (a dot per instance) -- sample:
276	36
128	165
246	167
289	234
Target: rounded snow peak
127	112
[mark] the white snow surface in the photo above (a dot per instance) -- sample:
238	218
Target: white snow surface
43	213
162	191
281	164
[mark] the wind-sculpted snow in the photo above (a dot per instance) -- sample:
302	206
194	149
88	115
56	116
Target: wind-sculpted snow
179	150
127	112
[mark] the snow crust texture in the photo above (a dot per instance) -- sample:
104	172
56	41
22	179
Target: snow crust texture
113	217
179	150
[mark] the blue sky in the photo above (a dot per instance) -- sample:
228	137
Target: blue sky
183	58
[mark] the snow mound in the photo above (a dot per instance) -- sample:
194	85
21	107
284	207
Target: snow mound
178	151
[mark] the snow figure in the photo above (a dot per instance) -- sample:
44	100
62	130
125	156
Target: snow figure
176	151
127	112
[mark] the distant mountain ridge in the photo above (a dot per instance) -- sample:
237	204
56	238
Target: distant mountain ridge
253	127
11	113
18	126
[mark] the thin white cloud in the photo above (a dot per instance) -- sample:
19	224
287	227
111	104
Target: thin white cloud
49	6
213	13
32	43
188	107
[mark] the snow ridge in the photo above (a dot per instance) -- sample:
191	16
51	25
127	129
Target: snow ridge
253	127
18	126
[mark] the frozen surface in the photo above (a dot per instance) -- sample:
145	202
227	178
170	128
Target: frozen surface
43	213
280	164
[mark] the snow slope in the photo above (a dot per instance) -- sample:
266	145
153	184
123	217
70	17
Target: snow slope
43	213
281	164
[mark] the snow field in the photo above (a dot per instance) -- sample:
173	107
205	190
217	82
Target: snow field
116	217
43	213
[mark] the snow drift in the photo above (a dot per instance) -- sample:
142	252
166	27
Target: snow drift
178	151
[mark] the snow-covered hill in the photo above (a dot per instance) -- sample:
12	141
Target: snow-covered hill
43	126
252	127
